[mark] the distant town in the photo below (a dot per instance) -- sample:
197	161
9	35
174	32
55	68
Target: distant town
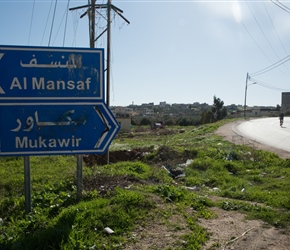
187	114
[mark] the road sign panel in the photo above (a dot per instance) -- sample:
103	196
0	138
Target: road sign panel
56	128
51	74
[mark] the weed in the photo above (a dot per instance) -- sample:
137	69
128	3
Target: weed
121	195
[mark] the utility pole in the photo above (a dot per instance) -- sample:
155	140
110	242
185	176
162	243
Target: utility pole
92	6
245	101
91	14
246	89
108	62
108	51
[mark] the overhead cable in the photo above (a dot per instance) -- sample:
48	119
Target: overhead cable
275	28
256	42
61	22
31	21
281	6
64	34
262	30
52	22
272	66
46	21
267	85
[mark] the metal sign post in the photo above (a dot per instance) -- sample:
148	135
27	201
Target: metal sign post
79	177
27	184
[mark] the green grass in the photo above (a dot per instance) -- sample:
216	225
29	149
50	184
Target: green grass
127	194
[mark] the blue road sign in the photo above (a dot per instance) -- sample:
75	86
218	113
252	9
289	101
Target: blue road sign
51	74
56	128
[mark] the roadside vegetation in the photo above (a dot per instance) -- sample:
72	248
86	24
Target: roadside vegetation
167	177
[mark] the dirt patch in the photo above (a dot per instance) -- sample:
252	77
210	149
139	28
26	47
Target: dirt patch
159	232
117	156
104	184
231	230
163	156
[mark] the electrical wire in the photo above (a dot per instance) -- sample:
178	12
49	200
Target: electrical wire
46	21
59	27
259	47
282	45
31	21
272	66
262	31
253	39
64	34
281	6
267	85
52	22
65	14
286	7
76	17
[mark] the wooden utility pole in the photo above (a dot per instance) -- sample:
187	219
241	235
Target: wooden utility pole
245	101
92	6
108	63
91	14
108	51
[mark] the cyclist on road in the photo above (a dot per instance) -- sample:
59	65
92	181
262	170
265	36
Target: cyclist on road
281	118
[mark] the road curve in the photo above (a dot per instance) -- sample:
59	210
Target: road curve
264	134
267	131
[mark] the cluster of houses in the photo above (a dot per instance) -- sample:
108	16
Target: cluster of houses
150	110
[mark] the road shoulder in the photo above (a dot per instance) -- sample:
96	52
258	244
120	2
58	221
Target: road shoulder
229	132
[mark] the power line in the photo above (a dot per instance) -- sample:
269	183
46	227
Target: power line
262	30
281	6
65	23
31	21
267	85
255	42
272	66
52	22
275	28
61	22
46	21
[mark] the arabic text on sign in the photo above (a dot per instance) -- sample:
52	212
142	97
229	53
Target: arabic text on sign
74	61
30	122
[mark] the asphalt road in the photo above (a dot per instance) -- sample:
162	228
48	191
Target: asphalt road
267	131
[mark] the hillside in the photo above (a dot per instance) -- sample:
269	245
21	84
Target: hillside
173	188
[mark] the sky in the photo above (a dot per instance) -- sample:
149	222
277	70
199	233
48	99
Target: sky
172	51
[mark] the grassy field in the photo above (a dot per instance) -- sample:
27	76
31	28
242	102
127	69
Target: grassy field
153	184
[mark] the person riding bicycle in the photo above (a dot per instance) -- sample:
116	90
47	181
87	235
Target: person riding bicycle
281	117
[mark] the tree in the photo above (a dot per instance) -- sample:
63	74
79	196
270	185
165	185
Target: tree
218	110
145	121
207	116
